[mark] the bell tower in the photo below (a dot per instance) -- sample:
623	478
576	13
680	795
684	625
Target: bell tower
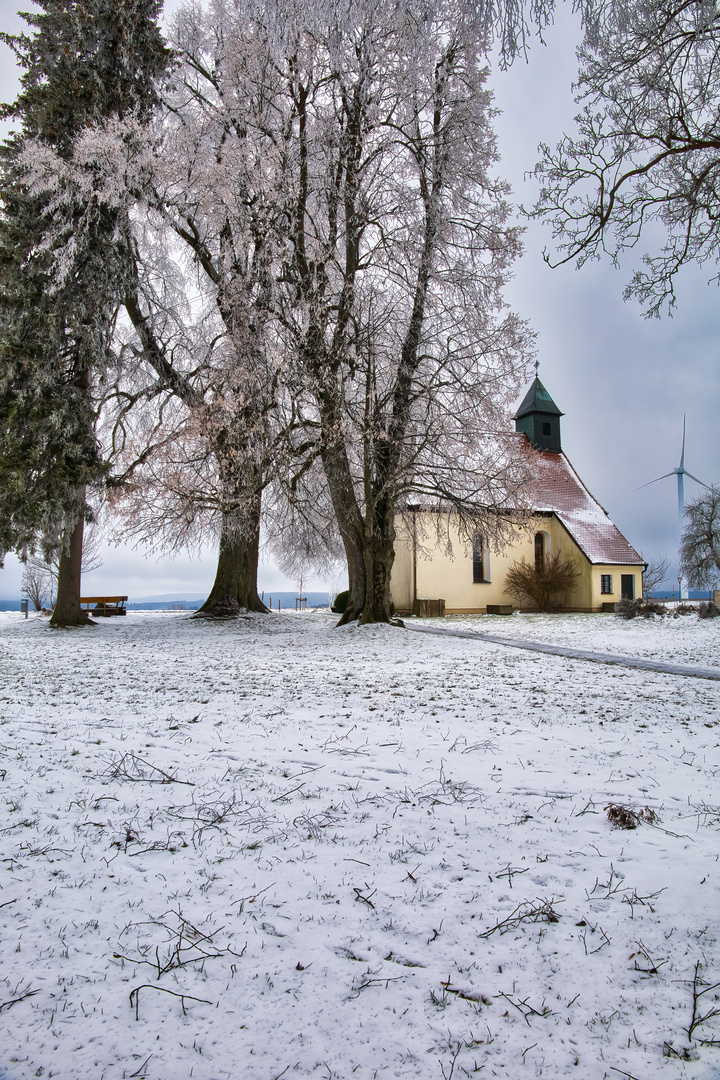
539	417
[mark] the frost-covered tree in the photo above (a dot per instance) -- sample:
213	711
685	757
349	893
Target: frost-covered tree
646	156
700	541
214	206
64	266
37	584
398	250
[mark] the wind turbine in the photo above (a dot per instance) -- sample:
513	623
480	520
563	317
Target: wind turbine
680	471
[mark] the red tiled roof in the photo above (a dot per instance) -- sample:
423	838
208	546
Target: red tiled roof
558	488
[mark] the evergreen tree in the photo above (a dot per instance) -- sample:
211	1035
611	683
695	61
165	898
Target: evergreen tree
89	63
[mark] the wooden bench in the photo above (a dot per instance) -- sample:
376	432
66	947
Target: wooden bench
104	605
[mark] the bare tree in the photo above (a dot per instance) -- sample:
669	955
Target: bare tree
40	576
37	583
700	541
655	572
647	151
338	206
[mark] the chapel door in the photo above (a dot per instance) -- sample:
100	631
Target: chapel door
627	586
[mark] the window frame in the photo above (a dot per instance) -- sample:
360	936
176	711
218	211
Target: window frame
606	579
480	561
540	553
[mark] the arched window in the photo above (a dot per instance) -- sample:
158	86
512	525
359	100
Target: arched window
539	552
481	563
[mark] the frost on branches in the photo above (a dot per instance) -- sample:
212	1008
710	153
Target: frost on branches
398	249
647	148
305	255
326	180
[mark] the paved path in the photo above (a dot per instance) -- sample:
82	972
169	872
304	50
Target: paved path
575	654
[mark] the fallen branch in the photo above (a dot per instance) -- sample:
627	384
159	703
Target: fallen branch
136	769
150	986
525	913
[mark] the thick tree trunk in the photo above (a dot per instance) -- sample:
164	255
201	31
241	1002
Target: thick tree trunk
350	524
235	586
67	611
379	554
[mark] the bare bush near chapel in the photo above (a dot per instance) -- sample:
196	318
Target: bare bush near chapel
545	589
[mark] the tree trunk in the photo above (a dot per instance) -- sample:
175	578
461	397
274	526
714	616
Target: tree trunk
67	611
379	553
349	522
235	584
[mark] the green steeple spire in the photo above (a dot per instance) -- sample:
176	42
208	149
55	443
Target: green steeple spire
539	417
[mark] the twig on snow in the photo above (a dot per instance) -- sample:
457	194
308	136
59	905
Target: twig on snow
696	1019
525	912
135	993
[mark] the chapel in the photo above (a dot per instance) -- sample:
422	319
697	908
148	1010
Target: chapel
565	518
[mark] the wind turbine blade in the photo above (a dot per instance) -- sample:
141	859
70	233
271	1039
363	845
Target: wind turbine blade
682	452
696	480
656	480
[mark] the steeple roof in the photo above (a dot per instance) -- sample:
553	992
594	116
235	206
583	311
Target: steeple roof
537	400
539	417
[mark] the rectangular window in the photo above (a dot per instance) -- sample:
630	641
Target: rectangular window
606	583
480	567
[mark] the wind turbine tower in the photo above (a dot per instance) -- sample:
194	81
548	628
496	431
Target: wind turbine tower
680	471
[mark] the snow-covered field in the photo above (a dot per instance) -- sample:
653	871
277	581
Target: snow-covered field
274	848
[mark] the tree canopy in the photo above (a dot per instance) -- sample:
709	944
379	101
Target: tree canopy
646	156
63	260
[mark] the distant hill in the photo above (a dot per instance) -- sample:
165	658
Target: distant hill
191	601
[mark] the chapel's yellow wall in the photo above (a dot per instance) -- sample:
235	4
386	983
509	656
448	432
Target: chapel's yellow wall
451	578
616	572
401	578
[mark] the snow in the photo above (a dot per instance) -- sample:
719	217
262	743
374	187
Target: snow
676	639
275	848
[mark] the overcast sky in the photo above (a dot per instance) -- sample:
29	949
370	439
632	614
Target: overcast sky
623	382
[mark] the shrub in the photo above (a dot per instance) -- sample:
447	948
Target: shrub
341	602
650	609
685	609
708	610
545	589
624	817
630	609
